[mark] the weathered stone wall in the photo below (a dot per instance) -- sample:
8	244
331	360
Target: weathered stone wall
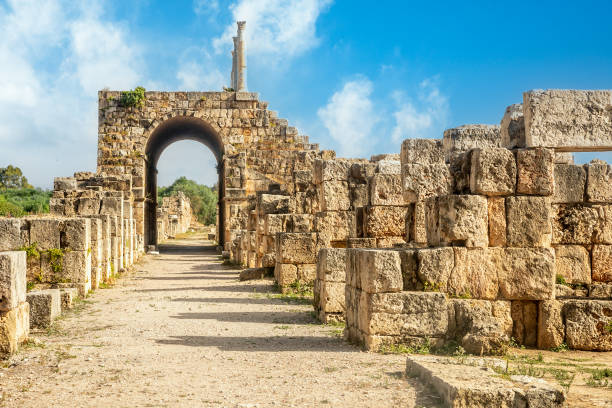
14	310
173	216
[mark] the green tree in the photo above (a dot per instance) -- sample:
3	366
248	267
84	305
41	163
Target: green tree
203	198
12	177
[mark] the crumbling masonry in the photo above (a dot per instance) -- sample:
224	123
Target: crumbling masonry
489	233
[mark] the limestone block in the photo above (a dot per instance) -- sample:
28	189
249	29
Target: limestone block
586	323
527	274
497	221
551	330
461	168
88	206
385	157
482	327
389	167
463	219
564	158
45	232
303	179
602	263
334	196
328	170
525	322
470	137
64	183
307	273
382	221
535	171
268	260
335	226
331	265
68	296
422	151
564	291
600	291
572	263
416	230
493	172
112	206
380	271
363	171
12	279
296	248
410	266
574	224
285	274
77	234
361	243
332	297
512	127
568	120
77	266
389	242
386	189
435	267
599	183
14	328
274	223
421	181
45	306
570	183
299	223
10	234
272	204
603	227
359	195
528	221
475	273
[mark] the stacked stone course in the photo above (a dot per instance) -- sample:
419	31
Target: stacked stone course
174	216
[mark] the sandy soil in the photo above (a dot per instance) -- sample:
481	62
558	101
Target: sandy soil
182	331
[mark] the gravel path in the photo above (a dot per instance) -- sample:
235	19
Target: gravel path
182	331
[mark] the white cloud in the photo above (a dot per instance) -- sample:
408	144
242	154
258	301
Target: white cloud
421	116
210	7
56	57
349	117
198	71
275	28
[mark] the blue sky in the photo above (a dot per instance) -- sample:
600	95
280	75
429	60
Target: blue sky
355	76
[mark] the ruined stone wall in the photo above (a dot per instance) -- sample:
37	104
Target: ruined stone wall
173	216
506	239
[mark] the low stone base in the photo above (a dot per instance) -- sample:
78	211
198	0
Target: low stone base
256	273
14	328
45	306
473	383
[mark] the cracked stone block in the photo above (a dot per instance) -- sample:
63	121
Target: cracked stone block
481	326
572	262
328	170
586	324
422	151
602	263
528	221
11	237
335	226
463	220
272	204
570	181
551	330
475	273
527	274
331	264
14	328
497	221
386	189
45	232
574	224
569	120
535	171
435	266
385	221
599	183
421	181
493	172
512	127
296	248
12	279
380	270
468	137
334	196
45	306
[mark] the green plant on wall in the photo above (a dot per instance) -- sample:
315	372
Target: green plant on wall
31	250
56	260
133	99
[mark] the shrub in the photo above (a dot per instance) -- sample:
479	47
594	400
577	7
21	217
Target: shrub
135	98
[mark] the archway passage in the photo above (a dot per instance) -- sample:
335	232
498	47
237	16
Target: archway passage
173	130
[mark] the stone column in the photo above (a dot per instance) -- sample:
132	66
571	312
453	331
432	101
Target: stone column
241	59
234	82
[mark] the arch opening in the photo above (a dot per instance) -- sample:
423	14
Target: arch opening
167	133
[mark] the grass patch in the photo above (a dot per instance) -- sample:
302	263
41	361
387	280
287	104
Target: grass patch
600	378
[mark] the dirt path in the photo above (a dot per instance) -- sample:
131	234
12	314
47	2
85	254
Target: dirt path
182	331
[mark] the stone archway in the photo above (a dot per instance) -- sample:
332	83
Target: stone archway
169	131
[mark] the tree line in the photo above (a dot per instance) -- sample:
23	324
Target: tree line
18	197
203	198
